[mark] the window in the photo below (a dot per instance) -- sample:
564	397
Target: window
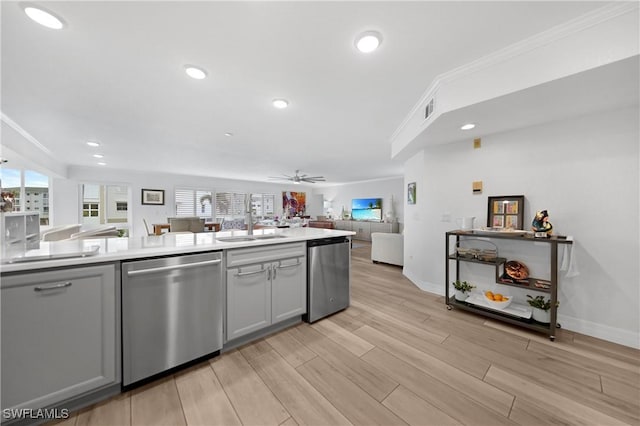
194	202
263	205
21	188
229	205
90	209
105	205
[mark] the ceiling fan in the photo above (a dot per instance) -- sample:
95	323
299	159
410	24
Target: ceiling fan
298	178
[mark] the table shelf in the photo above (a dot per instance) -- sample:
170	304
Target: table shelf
502	279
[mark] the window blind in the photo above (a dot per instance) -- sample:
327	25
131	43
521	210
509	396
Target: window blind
194	202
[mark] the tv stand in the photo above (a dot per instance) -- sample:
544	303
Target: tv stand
364	229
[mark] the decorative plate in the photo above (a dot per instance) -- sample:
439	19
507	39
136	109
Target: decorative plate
516	270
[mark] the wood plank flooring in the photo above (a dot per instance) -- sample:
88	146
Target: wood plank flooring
395	357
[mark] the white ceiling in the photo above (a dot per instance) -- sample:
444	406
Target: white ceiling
115	74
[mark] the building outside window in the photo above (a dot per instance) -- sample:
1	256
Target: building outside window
25	188
105	205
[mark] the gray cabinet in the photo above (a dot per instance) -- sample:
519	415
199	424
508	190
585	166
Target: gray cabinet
364	229
248	300
288	288
265	285
389	228
60	334
343	225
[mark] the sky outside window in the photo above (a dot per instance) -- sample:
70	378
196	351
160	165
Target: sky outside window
10	178
34	179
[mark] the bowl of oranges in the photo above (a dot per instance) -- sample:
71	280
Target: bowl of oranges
497	300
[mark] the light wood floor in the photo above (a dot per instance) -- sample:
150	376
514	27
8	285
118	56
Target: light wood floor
396	356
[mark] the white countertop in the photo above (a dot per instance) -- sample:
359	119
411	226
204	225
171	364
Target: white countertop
97	250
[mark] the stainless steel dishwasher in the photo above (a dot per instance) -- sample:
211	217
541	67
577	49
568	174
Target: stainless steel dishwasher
328	277
172	311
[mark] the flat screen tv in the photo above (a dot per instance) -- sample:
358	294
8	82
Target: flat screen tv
366	209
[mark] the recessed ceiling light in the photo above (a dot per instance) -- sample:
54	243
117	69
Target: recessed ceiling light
93	143
102	163
228	134
98	155
368	41
468	126
44	18
195	72
280	103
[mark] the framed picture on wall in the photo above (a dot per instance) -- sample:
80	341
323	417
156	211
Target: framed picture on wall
153	197
506	212
411	193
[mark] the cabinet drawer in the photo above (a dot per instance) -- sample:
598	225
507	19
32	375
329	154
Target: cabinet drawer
246	256
59	335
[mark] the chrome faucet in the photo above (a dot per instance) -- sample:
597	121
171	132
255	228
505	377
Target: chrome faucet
248	214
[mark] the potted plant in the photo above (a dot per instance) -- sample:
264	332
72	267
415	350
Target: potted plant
463	289
541	308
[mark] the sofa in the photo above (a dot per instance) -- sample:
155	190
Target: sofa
387	248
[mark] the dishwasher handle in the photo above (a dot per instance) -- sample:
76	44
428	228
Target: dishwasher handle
173	267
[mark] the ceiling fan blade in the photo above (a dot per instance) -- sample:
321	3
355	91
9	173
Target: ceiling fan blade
314	177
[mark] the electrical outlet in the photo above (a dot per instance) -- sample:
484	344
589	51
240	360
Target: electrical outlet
446	217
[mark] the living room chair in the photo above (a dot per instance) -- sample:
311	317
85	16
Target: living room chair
387	248
58	233
101	232
181	224
148	229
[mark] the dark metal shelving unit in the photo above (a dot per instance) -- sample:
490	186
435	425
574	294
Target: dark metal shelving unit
553	241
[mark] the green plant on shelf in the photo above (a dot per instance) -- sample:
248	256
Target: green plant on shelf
540	302
463	286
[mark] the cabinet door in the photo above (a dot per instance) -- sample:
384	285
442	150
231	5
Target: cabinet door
248	299
362	230
288	288
343	225
59	335
384	227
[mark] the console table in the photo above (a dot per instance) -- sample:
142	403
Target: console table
327	224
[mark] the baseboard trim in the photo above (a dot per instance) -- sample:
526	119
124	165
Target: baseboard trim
600	331
589	328
423	285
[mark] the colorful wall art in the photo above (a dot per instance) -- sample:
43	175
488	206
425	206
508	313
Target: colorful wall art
294	203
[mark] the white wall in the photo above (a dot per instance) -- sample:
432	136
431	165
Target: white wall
414	246
584	171
65	205
341	195
602	37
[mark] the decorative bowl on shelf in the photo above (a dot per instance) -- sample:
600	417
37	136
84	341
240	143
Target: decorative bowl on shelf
516	270
497	300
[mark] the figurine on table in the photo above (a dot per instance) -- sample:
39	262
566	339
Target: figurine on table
541	225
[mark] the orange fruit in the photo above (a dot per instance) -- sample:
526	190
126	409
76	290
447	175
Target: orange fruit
497	297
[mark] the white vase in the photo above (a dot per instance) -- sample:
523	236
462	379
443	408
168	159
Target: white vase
541	315
461	295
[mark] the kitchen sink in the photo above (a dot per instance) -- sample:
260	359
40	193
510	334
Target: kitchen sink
241	238
268	236
236	239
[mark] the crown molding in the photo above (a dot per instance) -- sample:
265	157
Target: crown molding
22	132
544	38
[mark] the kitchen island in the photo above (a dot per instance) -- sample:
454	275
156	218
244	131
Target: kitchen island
66	316
57	254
